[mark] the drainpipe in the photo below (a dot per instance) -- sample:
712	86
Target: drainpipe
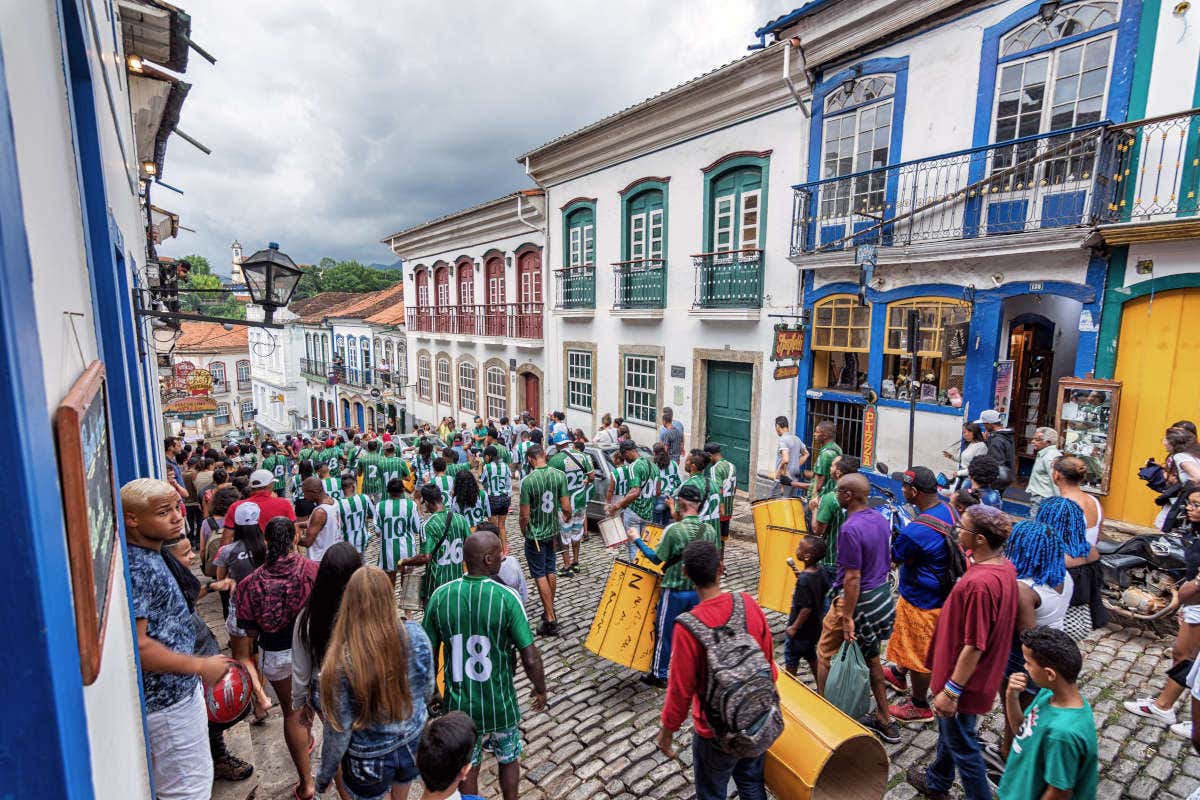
547	286
787	71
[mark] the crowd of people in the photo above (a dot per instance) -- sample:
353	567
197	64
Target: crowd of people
355	577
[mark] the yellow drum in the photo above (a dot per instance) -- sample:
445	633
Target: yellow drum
778	528
623	629
651	535
822	753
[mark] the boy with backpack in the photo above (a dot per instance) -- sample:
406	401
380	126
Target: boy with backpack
729	684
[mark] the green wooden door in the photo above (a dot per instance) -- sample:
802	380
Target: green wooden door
727	415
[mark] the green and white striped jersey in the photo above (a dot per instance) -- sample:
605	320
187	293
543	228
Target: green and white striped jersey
668	481
333	487
677	536
710	509
307	454
477	513
333	457
541	491
497	478
393	467
479	622
446	547
620	482
502	454
370	466
724	473
399	527
642	473
277	465
577	466
518	455
445	482
423	469
353	514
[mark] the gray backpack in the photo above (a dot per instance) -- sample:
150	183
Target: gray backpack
738	697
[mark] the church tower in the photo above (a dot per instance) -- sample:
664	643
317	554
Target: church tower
235	270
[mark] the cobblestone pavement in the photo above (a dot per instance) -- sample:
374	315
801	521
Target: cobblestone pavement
596	739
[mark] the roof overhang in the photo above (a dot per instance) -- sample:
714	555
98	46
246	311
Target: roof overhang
1164	230
163	224
803	11
156	31
156	100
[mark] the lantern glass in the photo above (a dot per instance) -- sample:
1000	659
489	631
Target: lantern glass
257	275
283	284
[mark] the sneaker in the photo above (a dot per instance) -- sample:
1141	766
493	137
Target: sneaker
565	572
576	569
1145	707
231	768
915	777
910	712
895	679
1182	729
889	733
653	680
547	628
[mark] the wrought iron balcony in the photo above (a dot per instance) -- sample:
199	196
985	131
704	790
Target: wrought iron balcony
640	284
314	369
359	378
1033	183
1155	170
733	279
501	320
575	287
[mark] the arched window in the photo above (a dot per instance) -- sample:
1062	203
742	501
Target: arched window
365	344
423	379
736	209
466	387
351	352
1041	88
422	281
400	365
529	276
645	226
308	346
935	378
841	339
581	236
222	416
494	270
466	282
315	414
441	282
217	368
243	374
339	347
857	137
443	380
497	392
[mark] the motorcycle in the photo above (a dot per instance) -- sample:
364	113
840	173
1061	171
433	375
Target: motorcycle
1142	575
897	512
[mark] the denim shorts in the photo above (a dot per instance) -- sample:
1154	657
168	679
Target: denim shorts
506	745
540	556
499	504
796	650
372	778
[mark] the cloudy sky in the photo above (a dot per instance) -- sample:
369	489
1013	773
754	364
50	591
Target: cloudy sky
336	122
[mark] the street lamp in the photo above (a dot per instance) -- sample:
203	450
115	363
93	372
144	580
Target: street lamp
271	278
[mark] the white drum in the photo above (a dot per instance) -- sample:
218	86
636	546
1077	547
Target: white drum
612	531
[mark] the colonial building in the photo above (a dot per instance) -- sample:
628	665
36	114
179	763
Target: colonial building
668	236
226	355
391	368
475	314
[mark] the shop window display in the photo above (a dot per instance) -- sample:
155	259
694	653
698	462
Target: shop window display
935	374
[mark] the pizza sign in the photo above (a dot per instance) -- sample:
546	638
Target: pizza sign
789	343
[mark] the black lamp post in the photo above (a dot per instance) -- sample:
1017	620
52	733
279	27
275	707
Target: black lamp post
271	278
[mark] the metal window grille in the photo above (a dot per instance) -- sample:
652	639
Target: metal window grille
848	417
641	388
579	379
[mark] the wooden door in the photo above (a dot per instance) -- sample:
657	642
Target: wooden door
728	412
533	395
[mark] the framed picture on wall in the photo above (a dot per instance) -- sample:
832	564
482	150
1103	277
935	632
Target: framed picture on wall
1087	423
89	506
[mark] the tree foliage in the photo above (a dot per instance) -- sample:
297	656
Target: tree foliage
200	276
341	276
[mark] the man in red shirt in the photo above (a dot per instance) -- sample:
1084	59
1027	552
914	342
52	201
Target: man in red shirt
970	647
262	494
711	767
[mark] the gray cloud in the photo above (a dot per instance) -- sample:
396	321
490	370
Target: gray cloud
333	124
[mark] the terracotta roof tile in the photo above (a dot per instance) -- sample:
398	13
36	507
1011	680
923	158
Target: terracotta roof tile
368	305
311	310
205	336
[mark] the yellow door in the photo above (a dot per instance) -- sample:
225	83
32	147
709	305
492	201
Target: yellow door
1160	384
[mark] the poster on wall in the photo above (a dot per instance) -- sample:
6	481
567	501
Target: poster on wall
1087	422
1002	400
868	436
89	507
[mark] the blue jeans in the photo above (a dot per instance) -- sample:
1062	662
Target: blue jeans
712	768
662	517
372	778
958	747
671	603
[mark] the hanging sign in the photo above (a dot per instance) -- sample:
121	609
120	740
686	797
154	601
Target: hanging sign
785	371
955	338
788	344
868	435
198	404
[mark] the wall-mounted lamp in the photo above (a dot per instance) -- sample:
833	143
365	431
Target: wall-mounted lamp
508	262
149	168
1047	11
134	62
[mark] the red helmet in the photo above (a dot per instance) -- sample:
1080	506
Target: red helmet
228	700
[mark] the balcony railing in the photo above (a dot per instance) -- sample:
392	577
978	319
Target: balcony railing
1037	182
505	320
358	377
1155	170
731	279
243	386
575	287
640	284
317	370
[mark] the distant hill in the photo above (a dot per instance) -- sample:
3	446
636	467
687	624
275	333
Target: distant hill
387	267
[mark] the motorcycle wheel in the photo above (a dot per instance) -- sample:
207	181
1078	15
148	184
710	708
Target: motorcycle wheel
1162	621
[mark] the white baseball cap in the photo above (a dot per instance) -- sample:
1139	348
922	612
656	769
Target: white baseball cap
989	417
261	479
246	514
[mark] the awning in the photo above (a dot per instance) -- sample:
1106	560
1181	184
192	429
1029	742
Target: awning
155	99
163	224
156	31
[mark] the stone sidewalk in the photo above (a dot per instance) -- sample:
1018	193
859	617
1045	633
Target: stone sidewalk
596	739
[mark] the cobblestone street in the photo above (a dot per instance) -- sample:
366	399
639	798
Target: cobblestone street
596	739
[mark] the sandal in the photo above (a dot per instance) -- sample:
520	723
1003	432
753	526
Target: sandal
261	719
297	796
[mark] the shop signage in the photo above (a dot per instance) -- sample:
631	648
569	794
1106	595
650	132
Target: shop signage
198	404
955	338
786	371
678	371
1004	386
868	436
789	343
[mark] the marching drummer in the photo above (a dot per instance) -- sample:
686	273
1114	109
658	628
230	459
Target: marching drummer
678	593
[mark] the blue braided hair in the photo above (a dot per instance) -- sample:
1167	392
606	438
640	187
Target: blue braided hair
1065	517
1037	553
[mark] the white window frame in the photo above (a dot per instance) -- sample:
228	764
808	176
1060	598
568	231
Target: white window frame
466	290
637	237
444	385
531	287
640	401
443	293
222	414
424	377
467	399
579	380
423	292
575	259
748	231
220	383
246	409
723	217
497	392
657	233
240	364
846	190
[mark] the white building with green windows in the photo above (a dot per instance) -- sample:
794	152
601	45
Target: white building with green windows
667	246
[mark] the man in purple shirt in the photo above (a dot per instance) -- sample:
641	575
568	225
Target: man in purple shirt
863	609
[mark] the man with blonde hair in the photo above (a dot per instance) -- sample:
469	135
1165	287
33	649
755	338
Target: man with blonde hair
176	721
1041	479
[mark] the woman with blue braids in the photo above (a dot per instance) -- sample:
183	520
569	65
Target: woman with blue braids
1066	518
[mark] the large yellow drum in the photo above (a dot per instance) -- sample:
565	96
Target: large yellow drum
623	629
651	535
822	753
778	528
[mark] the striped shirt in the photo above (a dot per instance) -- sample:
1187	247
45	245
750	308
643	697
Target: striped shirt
454	469
333	487
677	536
710	508
370	466
353	514
502	454
475	514
446	547
445	482
641	473
518	456
577	467
393	467
725	475
479	622
422	469
669	480
277	466
497	478
399	527
333	457
541	491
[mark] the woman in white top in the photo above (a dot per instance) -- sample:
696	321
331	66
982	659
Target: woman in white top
1182	450
606	436
972	445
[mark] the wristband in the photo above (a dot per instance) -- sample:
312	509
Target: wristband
953	689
